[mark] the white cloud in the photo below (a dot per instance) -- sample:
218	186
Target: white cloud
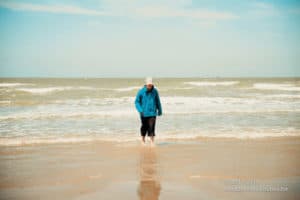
163	9
67	9
157	12
262	9
263	5
132	8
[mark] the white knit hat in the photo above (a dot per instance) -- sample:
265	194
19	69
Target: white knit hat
148	80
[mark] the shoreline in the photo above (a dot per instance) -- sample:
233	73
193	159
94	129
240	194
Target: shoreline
159	141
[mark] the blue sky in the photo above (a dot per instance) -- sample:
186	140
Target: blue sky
160	38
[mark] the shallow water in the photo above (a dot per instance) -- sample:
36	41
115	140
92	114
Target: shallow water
80	110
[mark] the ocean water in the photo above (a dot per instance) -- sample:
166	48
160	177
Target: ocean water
62	110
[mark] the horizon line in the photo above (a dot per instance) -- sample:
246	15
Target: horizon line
136	77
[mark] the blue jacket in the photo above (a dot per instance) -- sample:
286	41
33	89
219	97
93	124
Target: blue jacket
148	103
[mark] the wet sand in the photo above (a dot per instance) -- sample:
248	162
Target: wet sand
180	169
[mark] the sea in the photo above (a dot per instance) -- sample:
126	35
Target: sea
75	110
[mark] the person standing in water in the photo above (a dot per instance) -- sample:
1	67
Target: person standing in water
147	103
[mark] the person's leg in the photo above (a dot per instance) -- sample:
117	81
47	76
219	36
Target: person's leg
144	128
151	129
152	140
143	140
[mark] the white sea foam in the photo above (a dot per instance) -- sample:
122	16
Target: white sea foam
211	83
30	141
275	86
124	107
197	105
289	96
43	90
57	113
47	90
126	89
116	114
5	102
19	141
96	101
183	88
175	88
183	100
239	134
161	136
14	84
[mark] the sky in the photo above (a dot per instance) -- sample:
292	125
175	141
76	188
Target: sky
159	38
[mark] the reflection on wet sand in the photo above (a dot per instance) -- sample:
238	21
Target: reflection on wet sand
149	187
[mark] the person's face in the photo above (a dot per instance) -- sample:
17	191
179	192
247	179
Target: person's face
149	86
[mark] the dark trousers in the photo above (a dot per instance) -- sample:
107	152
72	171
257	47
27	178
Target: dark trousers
148	126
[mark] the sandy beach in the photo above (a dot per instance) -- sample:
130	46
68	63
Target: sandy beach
204	168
